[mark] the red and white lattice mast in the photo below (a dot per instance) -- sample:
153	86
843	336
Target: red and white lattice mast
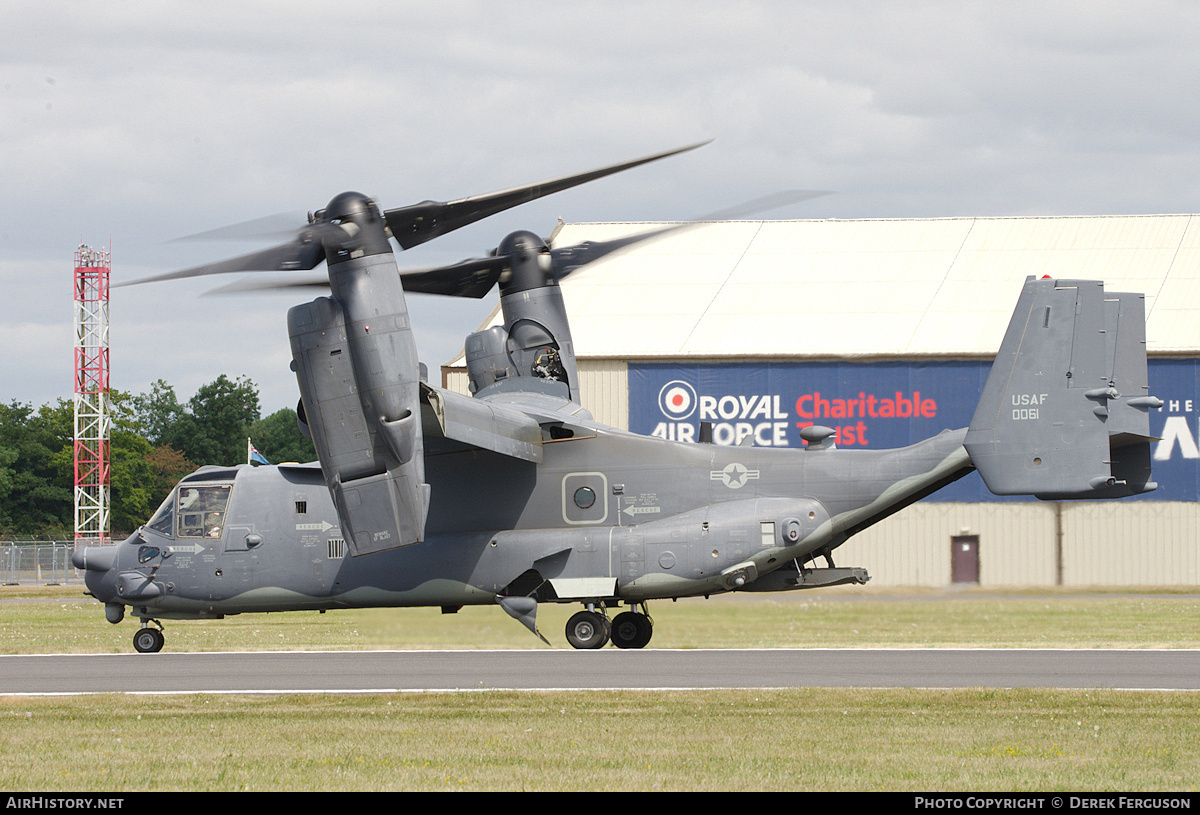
93	420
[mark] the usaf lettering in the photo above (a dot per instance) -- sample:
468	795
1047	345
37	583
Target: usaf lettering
1021	410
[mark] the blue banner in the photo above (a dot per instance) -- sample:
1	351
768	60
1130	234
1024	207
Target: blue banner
881	405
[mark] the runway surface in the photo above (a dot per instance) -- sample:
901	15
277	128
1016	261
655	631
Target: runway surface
389	671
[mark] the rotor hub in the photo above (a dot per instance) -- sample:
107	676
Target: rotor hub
529	264
352	207
521	246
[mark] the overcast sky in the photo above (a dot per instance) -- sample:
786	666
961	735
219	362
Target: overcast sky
126	125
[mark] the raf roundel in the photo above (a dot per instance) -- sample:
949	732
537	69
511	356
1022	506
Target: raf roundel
677	399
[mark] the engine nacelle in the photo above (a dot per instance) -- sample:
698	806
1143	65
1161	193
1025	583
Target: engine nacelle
533	349
356	365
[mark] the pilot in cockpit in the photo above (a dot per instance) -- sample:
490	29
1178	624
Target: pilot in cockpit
547	364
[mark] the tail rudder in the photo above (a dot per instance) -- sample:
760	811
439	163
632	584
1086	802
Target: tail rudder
1064	412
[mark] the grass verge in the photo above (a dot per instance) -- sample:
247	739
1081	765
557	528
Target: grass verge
802	739
62	620
805	739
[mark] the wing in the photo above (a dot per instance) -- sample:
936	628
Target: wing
451	417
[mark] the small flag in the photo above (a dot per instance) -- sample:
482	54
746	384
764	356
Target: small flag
253	456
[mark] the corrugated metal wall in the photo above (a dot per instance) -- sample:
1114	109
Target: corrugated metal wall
1136	543
1103	543
842	289
912	548
604	390
455	379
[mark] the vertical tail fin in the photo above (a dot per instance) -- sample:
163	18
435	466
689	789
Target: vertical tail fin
1064	412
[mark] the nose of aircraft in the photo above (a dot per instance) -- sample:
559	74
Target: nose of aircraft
100	565
95	558
114	578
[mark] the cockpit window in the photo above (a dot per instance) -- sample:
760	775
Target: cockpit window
201	511
163	521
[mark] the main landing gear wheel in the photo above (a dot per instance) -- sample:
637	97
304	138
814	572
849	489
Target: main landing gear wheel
148	640
631	630
588	629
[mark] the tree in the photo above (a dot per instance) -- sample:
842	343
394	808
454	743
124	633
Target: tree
279	439
224	410
36	491
211	429
156	412
167	467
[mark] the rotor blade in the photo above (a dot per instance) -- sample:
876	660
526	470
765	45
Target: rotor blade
275	227
415	224
568	259
302	254
767	202
470	278
253	284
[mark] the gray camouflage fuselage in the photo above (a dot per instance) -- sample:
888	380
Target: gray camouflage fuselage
669	519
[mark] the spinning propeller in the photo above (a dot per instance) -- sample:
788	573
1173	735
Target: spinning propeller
352	225
475	277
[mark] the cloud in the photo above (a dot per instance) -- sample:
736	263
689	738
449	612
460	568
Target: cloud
128	125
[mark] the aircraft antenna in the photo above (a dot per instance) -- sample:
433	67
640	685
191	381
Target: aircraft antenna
93	419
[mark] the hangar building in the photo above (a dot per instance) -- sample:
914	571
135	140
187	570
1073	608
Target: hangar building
885	330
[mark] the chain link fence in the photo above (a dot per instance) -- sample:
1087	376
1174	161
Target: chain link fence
37	562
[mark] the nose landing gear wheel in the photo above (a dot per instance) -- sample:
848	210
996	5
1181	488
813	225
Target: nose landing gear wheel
631	630
148	640
587	629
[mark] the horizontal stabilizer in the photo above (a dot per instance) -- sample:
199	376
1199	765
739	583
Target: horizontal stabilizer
1064	412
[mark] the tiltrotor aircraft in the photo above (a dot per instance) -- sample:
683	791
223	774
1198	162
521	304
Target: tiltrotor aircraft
514	496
